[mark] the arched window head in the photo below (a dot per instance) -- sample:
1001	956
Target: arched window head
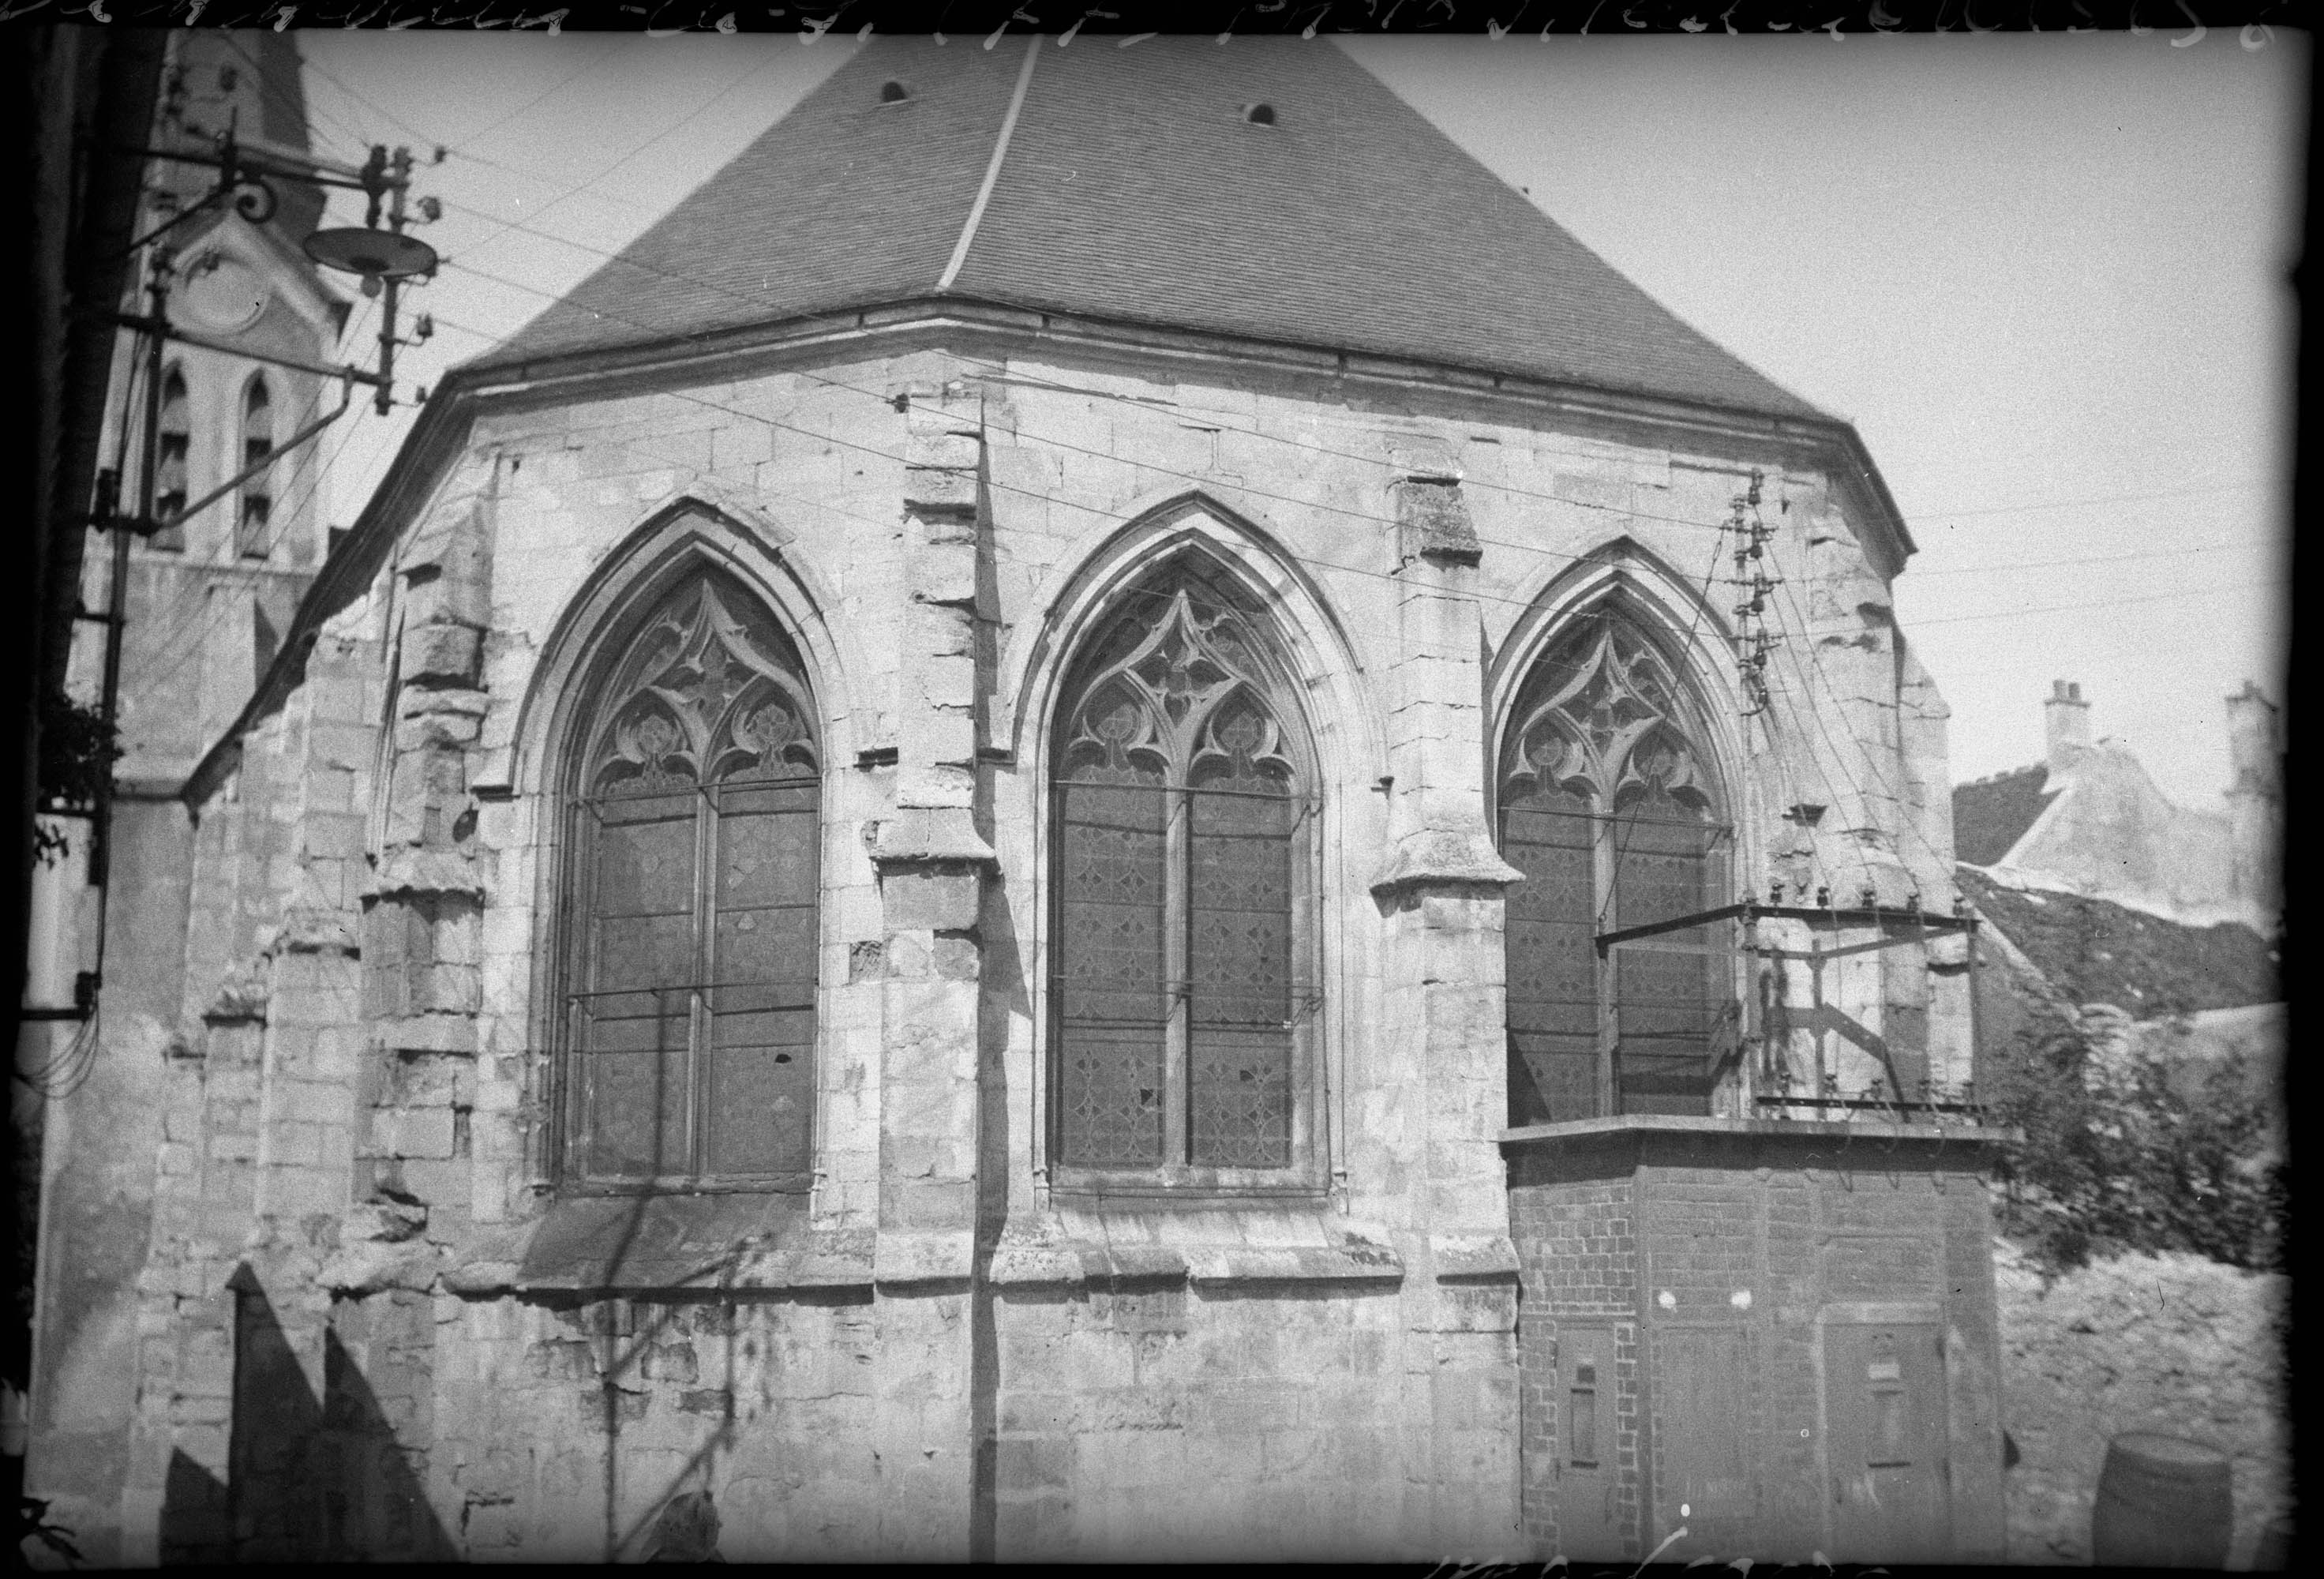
691	884
1610	805
169	477
252	537
1603	719
1185	826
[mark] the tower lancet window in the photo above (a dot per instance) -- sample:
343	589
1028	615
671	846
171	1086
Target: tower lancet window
691	890
1185	811
170	477
253	539
1609	805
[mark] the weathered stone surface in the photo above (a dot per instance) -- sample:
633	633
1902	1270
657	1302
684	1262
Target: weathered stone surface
1344	1367
441	654
2171	1344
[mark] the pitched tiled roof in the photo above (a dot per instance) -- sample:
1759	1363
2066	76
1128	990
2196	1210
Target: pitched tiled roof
2095	951
1135	189
1990	816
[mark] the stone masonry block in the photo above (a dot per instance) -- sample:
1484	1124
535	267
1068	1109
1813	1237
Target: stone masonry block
671	1362
932	900
441	654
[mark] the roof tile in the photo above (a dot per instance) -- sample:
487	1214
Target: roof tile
1135	189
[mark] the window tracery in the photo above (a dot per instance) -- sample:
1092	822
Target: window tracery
1184	822
1610	807
695	874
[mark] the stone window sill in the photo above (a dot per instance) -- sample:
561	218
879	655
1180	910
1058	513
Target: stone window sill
703	1244
716	1247
1070	1248
1876	1132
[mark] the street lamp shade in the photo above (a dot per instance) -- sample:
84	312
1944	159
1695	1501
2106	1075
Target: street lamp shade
375	255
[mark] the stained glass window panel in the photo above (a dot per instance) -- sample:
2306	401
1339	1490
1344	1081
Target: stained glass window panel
693	1006
1241	990
1553	992
1668	991
1181	837
1112	977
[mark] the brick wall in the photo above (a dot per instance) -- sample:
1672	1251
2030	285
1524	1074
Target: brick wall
1719	1258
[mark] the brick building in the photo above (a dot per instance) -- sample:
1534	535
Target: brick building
972	857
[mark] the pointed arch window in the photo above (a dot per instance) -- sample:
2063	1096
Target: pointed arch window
252	538
1609	805
1185	848
692	879
170	477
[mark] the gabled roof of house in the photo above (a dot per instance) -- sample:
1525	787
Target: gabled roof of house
1130	185
1991	815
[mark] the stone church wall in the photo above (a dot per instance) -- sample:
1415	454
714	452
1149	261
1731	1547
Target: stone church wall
940	1351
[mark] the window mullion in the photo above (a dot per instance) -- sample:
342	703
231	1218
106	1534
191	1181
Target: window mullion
1603	878
1177	928
705	940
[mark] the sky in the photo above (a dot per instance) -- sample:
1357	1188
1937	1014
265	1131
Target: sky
2046	277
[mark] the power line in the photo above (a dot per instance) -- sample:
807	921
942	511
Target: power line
1815	665
1000	375
2060	608
522	109
1939	517
293	108
178	624
385	114
1305	504
664	135
2175	552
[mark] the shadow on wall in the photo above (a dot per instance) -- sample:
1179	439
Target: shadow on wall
308	1480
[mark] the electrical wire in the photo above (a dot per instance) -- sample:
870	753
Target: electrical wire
1626	512
316	477
1815	665
664	135
296	107
166	651
2211	546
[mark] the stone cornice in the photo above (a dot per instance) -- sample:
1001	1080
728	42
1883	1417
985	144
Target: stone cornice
698	358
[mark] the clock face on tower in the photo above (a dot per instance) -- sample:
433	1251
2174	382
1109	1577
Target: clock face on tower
224	294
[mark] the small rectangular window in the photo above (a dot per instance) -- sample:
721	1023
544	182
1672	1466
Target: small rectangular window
1581	1427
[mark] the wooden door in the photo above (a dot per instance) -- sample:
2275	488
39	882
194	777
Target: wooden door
1705	1480
1589	1520
1885	1433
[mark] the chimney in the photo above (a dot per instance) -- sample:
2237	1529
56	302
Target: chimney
2255	750
2255	805
2069	720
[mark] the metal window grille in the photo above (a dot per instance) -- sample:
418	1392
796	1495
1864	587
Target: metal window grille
1180	984
695	882
1606	806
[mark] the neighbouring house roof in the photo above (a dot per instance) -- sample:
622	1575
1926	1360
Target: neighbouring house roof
2095	951
1990	816
1133	188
